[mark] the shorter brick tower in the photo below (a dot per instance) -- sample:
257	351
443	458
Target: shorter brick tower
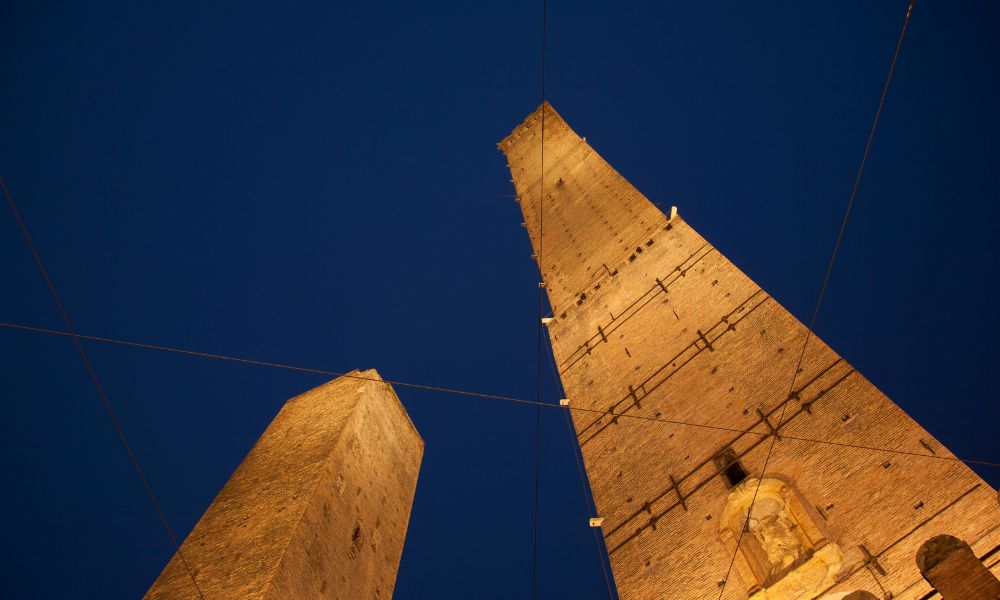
317	509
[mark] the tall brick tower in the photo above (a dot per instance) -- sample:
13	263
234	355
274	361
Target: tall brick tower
652	321
317	509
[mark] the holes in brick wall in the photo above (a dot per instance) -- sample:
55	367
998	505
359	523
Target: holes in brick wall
631	258
355	541
730	468
850	422
734	474
649	243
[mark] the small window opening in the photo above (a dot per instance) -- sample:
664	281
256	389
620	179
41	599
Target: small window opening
730	468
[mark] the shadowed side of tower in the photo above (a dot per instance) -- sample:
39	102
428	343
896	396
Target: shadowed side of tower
651	321
318	508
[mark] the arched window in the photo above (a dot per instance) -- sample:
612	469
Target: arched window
732	471
950	565
782	537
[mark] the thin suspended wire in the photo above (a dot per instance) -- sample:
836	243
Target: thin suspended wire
98	385
467	393
541	304
588	503
823	287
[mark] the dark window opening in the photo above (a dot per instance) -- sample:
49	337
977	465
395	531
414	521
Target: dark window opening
729	466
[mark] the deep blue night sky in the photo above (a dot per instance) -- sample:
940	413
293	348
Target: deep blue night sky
319	185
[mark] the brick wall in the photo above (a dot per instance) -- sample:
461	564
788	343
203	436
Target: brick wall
652	321
317	509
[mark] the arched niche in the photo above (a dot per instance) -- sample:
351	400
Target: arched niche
954	570
856	595
784	553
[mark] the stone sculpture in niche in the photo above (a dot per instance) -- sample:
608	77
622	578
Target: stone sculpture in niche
783	554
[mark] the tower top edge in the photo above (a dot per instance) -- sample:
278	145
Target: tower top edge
529	122
372	376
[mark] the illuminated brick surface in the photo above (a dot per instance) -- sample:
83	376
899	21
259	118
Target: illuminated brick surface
651	320
318	508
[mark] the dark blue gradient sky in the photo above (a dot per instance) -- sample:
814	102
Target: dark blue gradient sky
318	184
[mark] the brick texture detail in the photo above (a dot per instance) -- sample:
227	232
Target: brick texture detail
955	572
652	321
317	509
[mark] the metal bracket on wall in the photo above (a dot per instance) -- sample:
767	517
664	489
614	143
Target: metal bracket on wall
705	341
764	418
677	488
